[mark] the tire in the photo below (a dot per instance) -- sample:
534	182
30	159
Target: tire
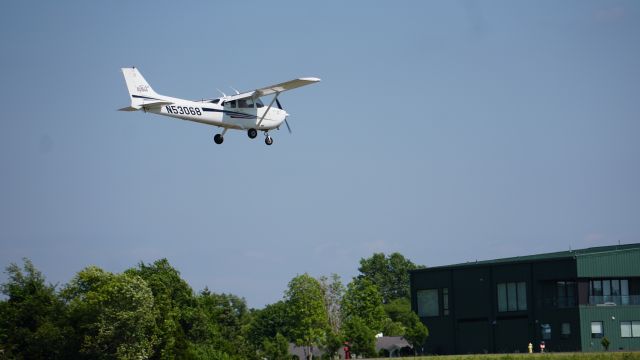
268	140
252	133
218	139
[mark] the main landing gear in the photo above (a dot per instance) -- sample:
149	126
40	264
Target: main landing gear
252	133
219	138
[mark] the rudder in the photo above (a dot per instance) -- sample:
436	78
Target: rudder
136	84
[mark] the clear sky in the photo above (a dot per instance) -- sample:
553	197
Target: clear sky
448	131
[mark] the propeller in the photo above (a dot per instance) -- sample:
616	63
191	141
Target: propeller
285	119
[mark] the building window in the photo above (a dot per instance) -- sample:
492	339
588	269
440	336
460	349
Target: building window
445	301
428	302
546	331
565	294
629	329
512	296
565	330
596	329
610	291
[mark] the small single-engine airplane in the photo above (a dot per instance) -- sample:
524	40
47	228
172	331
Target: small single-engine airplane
242	111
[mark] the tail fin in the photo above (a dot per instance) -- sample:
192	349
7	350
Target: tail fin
139	89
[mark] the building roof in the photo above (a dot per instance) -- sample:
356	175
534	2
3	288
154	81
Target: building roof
570	254
391	343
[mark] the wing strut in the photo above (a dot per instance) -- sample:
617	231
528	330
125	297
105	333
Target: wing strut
268	108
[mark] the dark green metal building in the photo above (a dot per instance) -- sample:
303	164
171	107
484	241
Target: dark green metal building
570	300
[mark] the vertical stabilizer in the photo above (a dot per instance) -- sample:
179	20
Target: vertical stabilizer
139	88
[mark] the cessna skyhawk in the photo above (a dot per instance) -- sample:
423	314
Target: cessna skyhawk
242	111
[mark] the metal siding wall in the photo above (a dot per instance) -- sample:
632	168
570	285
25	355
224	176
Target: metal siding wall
621	263
441	329
611	316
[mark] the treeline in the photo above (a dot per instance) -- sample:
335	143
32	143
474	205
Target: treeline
150	312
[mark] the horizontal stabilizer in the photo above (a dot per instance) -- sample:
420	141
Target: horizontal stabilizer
155	104
130	108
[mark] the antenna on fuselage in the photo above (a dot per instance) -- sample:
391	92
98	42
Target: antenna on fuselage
234	89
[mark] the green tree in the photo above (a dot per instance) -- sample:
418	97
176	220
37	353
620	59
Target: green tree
397	310
332	344
416	332
266	323
362	299
175	304
32	319
305	302
229	316
390	274
113	315
362	340
278	349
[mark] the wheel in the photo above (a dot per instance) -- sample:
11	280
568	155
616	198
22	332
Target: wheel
218	139
252	133
268	140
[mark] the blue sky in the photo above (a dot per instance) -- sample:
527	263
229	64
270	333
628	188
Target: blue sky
448	131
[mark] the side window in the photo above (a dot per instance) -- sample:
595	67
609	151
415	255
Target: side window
259	103
242	103
546	331
512	296
445	301
428	302
597	331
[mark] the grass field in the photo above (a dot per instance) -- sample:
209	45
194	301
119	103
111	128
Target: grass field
547	356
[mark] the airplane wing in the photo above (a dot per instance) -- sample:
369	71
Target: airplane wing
288	85
277	88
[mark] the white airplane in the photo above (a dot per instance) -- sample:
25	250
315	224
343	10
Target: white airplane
243	111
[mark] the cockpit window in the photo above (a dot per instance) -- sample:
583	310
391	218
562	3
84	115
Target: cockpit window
247	103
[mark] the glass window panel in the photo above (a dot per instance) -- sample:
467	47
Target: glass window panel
625	329
546	331
428	302
615	287
522	296
512	297
596	329
624	291
566	329
445	298
606	287
562	292
502	297
635	328
597	288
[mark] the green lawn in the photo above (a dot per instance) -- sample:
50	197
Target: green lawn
548	356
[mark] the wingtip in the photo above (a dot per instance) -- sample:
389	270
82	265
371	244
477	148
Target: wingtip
312	79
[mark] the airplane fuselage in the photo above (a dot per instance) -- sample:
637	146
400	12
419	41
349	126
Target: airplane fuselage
222	115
